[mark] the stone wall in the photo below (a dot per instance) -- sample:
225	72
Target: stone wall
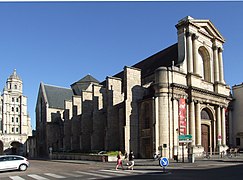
70	156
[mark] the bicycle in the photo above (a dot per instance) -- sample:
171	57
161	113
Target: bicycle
206	155
157	157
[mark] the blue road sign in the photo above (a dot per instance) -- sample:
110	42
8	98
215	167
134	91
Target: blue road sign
164	162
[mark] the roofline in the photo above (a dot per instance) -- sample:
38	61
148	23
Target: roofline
56	86
44	92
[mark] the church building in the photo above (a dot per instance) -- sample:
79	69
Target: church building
15	124
173	100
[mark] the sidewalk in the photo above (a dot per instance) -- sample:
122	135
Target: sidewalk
151	164
199	162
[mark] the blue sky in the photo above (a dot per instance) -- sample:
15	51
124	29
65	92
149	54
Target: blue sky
59	43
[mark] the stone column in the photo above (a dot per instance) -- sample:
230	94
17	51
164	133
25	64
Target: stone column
161	92
156	125
175	124
189	52
192	121
218	119
195	54
198	125
223	130
163	123
171	127
221	66
214	135
216	64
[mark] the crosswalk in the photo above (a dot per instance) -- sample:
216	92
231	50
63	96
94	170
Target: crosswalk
89	175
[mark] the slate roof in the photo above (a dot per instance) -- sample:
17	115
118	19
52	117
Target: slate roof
56	95
162	58
88	78
83	84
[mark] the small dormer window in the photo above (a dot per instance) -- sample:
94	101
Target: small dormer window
15	86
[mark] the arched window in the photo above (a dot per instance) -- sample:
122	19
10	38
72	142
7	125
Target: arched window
204	64
201	65
205	114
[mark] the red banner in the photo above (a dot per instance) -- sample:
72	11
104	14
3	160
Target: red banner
182	117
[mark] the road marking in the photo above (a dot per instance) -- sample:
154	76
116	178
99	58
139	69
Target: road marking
16	178
142	171
114	173
128	171
93	174
72	175
120	171
117	171
34	176
55	175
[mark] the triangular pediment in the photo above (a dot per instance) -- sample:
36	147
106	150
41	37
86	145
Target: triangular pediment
207	28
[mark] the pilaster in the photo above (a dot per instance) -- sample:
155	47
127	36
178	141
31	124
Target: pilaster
195	54
221	66
198	125
223	130
192	121
189	52
216	63
218	119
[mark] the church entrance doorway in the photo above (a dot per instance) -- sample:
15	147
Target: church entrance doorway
206	129
146	148
205	137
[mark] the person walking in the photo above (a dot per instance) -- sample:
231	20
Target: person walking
131	161
119	161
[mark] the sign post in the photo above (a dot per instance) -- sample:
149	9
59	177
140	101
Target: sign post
164	162
187	138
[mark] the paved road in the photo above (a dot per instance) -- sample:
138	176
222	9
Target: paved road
202	169
69	170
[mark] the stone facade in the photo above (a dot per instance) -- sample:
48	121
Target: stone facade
15	124
49	121
179	91
235	113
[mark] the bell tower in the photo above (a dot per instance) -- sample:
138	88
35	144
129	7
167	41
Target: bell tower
14	84
15	120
